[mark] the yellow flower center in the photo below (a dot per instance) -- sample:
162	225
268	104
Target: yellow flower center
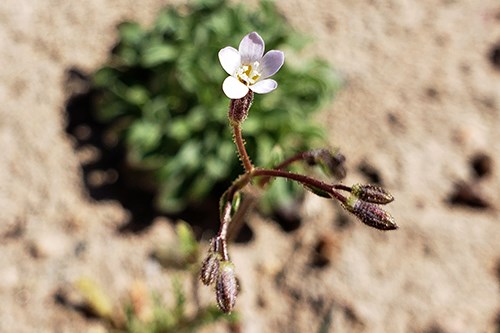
248	74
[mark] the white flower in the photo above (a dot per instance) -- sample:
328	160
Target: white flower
248	68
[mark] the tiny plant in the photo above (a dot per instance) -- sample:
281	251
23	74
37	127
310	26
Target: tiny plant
249	72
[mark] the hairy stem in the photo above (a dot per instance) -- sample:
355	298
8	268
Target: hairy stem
240	145
230	225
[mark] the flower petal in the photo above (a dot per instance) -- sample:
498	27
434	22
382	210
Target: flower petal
251	48
233	88
271	63
264	86
230	59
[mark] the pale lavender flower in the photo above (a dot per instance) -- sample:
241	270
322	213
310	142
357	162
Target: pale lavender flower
249	68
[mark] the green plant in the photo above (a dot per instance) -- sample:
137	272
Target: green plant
159	93
249	71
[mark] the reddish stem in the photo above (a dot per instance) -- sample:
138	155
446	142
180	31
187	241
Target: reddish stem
240	145
314	183
297	157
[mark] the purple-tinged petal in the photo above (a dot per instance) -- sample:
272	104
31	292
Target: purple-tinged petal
251	48
264	86
271	63
233	88
230	59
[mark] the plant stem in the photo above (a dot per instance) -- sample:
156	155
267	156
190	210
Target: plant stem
342	187
290	160
297	157
240	145
226	203
225	219
305	180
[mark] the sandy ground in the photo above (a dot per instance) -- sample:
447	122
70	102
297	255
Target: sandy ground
421	102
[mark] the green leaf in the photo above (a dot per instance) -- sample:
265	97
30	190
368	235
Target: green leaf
215	168
136	95
144	135
168	21
104	76
131	33
179	130
112	110
158	54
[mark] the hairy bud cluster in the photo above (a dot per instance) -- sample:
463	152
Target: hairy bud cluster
219	272
370	214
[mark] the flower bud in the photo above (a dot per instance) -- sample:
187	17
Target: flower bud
370	214
210	268
372	193
226	287
238	108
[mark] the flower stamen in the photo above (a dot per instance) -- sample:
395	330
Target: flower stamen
248	74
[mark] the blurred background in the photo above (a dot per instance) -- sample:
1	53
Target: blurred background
112	134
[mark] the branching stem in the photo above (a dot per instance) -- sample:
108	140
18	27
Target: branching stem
305	180
297	157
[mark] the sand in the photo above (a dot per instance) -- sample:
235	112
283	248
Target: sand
420	109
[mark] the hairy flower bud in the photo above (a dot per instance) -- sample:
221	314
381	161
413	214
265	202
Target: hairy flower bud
370	214
372	193
210	268
238	108
226	287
